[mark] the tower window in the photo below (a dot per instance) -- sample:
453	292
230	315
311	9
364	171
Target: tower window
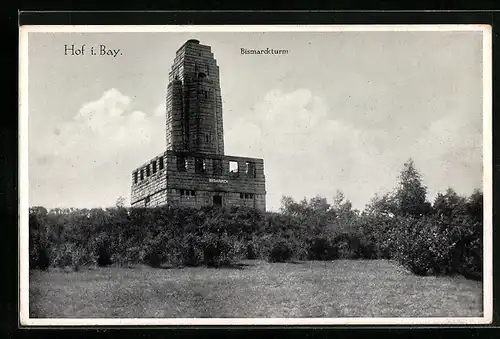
161	163
142	174
135	177
206	94
181	164
217	166
202	75
148	171
188	193
200	165
233	168
154	166
250	170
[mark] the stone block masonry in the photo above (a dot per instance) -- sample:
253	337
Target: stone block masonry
200	179
194	171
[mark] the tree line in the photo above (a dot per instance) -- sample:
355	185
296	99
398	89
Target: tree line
442	237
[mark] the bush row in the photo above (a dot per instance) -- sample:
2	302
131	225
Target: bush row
437	243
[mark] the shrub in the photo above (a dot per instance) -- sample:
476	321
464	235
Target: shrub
153	252
471	259
378	235
152	258
251	251
103	250
191	252
103	256
43	260
345	246
321	248
412	245
471	264
130	256
256	247
281	250
432	245
335	246
71	255
219	250
447	241
368	249
38	257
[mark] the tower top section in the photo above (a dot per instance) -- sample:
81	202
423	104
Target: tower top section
194	103
193	57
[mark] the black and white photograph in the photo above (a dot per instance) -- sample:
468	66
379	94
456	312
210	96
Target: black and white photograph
255	175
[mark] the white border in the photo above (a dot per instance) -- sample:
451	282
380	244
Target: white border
24	182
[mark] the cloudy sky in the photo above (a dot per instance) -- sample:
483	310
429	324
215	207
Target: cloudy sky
341	111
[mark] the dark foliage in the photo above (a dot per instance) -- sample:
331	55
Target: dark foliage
440	238
281	250
43	260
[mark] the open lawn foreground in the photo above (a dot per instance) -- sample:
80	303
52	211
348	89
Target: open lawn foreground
342	288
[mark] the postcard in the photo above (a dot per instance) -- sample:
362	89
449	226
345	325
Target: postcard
255	175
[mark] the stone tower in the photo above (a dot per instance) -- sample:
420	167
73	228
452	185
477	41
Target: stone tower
194	103
194	170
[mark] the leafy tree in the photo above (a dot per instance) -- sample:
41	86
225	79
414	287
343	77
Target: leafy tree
450	204
475	205
120	202
382	205
340	202
319	204
342	209
291	208
410	195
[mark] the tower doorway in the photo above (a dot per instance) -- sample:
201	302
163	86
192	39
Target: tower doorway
217	200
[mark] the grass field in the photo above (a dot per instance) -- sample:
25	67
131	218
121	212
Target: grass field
342	288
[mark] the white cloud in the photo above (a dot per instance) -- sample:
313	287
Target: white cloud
160	110
304	152
307	153
450	154
87	161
